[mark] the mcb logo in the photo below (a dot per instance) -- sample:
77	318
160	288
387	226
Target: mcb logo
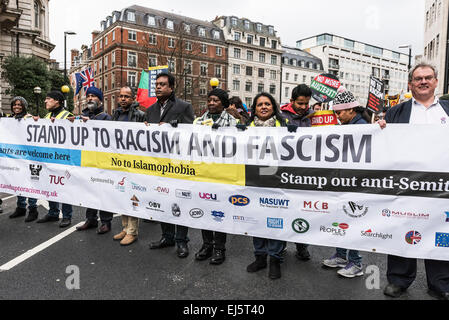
239	200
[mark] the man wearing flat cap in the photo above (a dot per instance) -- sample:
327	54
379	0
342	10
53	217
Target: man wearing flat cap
54	103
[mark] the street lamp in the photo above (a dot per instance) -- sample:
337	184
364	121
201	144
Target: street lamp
409	46
65	89
37	91
65	52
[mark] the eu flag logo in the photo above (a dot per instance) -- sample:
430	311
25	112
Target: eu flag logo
442	240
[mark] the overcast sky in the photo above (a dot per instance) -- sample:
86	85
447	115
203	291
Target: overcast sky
384	23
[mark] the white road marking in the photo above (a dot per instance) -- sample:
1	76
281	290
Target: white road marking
7	198
11	264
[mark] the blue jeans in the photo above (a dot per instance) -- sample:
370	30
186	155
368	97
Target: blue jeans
273	248
353	255
54	210
22	202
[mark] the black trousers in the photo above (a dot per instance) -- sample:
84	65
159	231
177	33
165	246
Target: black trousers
402	272
173	232
105	217
214	239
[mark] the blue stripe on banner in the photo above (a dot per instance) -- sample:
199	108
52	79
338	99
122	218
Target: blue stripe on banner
41	154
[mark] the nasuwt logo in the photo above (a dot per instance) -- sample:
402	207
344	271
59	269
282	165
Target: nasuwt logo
239	200
274	203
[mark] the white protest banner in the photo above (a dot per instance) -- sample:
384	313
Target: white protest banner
355	187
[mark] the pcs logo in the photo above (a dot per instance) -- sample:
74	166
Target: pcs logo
239	200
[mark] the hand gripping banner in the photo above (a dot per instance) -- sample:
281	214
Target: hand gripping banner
356	187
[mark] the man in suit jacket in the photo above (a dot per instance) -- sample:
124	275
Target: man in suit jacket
169	109
423	108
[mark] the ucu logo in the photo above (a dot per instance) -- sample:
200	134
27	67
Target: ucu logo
57	180
208	196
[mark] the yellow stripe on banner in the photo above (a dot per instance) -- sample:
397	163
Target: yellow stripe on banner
233	174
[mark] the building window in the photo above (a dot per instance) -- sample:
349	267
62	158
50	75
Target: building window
113	35
171	65
237	53
132	35
248	101
246	23
260	88
186	28
171	42
262	42
249	55
272	89
113	59
203	48
324	39
170	25
261	57
249	86
216	35
271	30
152	61
151	21
261	73
188	46
296	78
219	51
106	40
234	21
287	92
153	39
132	60
188	85
203	69
249	71
188	67
273	74
349	44
274	60
259	27
131	16
132	79
236	85
274	44
36	14
203	88
249	39
236	69
237	36
106	63
218	71
202	32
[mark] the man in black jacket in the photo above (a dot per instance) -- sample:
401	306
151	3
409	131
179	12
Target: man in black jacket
128	110
169	109
423	108
95	111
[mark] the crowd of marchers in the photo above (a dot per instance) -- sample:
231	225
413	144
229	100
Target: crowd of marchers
223	111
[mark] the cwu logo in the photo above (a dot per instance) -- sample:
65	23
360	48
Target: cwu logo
238	200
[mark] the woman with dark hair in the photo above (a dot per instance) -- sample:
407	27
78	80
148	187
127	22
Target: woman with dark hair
266	113
19	111
237	110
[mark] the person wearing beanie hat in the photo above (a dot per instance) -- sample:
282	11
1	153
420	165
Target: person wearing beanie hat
214	242
96	92
216	115
348	111
19	111
54	103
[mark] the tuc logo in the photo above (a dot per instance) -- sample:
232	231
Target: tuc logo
57	180
238	200
208	196
315	206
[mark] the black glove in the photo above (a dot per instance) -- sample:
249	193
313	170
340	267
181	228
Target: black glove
215	126
241	127
174	123
292	128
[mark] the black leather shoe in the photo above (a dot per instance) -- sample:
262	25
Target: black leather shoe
105	228
274	271
393	290
259	264
89	224
302	253
47	218
438	295
218	257
163	243
65	222
20	212
204	253
32	215
183	250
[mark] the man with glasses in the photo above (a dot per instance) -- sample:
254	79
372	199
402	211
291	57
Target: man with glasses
128	110
423	108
